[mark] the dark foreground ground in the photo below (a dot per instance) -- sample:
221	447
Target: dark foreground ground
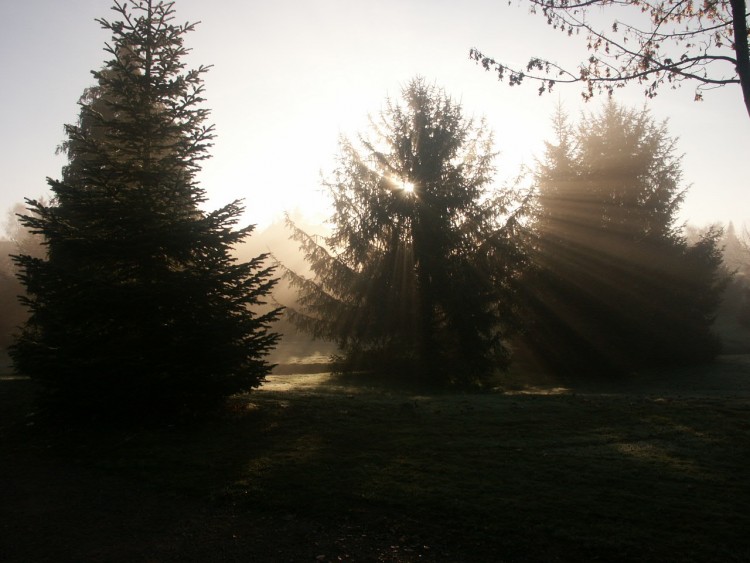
314	468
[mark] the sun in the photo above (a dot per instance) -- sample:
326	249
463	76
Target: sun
398	184
408	187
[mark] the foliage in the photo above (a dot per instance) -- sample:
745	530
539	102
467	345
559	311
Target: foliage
654	43
19	241
618	286
138	309
11	314
19	236
742	269
418	273
734	314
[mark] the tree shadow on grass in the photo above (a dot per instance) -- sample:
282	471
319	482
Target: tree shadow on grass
298	473
533	477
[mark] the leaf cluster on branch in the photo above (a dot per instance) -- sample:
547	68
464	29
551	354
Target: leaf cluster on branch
654	43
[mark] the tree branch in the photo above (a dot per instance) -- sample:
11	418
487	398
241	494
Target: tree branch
698	38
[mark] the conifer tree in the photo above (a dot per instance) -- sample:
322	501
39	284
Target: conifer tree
417	274
138	307
618	285
19	241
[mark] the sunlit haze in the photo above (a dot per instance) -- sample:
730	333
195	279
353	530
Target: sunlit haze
408	187
289	78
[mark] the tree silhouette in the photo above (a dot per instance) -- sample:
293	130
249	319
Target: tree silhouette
418	271
735	308
138	308
618	286
654	43
19	241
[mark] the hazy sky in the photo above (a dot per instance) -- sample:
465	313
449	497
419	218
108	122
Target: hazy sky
290	76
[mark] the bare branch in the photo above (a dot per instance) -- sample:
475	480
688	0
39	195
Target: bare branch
706	43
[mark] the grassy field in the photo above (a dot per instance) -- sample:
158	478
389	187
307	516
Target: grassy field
318	468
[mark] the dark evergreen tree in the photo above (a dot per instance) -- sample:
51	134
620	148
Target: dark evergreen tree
733	320
19	241
418	272
138	307
11	314
617	285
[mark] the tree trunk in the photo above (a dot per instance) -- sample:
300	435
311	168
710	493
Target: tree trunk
739	23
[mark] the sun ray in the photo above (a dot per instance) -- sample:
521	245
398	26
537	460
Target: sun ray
407	186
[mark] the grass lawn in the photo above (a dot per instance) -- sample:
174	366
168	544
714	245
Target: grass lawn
314	468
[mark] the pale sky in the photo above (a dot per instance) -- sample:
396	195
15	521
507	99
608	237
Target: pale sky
290	76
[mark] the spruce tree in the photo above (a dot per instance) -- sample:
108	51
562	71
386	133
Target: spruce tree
618	287
417	274
138	307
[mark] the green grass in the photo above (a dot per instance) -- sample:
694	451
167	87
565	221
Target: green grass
311	466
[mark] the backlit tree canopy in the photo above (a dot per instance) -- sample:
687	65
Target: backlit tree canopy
419	267
138	308
618	287
654	43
